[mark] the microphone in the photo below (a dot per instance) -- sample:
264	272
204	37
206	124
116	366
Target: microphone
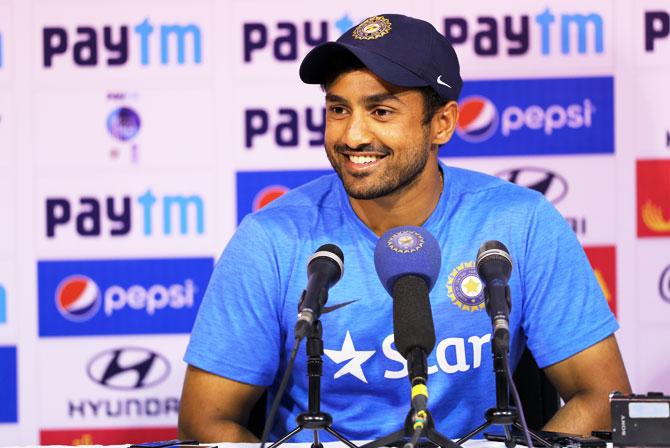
407	260
494	267
324	269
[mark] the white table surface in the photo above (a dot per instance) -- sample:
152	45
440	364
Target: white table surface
468	444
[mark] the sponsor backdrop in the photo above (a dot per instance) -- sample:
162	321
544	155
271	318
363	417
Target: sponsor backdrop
135	135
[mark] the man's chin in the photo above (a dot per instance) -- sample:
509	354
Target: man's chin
365	193
362	186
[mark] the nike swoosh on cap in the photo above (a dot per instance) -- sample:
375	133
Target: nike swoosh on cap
439	81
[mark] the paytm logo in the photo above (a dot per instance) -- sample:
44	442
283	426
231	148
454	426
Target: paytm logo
284	38
8	383
112	46
177	214
288	127
98	297
3	304
491	36
256	189
535	116
656	27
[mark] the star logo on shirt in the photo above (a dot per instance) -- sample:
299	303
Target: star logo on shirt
355	357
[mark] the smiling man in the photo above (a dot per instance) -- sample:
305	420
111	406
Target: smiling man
391	85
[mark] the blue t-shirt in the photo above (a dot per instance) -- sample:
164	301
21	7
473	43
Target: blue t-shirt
244	328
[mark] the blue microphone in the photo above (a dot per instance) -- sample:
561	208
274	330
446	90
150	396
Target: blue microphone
408	260
407	250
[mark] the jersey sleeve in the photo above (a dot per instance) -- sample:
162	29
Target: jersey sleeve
237	333
565	310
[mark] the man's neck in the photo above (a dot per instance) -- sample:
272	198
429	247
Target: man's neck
412	206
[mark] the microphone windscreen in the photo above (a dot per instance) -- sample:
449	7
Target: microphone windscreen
412	316
407	250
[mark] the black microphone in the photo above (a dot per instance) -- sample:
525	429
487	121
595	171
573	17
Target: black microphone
324	269
414	332
494	267
407	260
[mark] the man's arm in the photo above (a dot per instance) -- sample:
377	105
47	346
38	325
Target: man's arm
585	381
216	409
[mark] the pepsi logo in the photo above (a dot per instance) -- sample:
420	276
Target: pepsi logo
128	368
78	298
551	184
267	195
478	119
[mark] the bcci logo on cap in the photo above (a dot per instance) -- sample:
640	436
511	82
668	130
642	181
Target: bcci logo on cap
478	119
405	241
464	287
78	298
372	28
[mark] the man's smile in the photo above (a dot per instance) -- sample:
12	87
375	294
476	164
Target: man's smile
362	163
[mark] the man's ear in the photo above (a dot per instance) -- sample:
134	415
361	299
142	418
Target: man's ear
443	123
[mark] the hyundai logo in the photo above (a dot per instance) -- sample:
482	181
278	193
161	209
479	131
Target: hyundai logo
128	368
553	186
664	285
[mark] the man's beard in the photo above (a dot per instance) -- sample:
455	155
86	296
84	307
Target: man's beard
391	181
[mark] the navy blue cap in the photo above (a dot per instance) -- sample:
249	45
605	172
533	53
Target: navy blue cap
401	50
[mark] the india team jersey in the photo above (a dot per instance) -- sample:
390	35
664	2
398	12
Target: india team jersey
244	329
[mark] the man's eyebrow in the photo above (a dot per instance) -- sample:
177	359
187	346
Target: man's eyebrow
335	98
381	97
372	99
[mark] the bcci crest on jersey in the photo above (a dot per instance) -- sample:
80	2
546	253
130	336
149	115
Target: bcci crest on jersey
464	287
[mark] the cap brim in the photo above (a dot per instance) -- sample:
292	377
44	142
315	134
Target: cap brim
322	61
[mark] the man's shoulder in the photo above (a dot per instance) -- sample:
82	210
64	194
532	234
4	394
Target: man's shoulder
303	203
489	188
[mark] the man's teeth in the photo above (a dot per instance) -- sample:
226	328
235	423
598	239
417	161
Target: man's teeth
363	159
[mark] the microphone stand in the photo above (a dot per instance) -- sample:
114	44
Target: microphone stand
314	419
418	423
503	413
408	433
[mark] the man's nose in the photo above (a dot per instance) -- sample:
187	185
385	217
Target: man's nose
357	132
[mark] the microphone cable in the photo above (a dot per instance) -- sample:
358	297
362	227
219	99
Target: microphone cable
280	392
517	400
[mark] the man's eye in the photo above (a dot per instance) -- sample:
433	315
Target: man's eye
337	109
381	112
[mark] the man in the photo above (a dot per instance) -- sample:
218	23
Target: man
391	87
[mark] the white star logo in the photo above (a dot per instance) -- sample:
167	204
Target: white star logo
355	358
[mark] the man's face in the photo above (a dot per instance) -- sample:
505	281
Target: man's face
375	138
